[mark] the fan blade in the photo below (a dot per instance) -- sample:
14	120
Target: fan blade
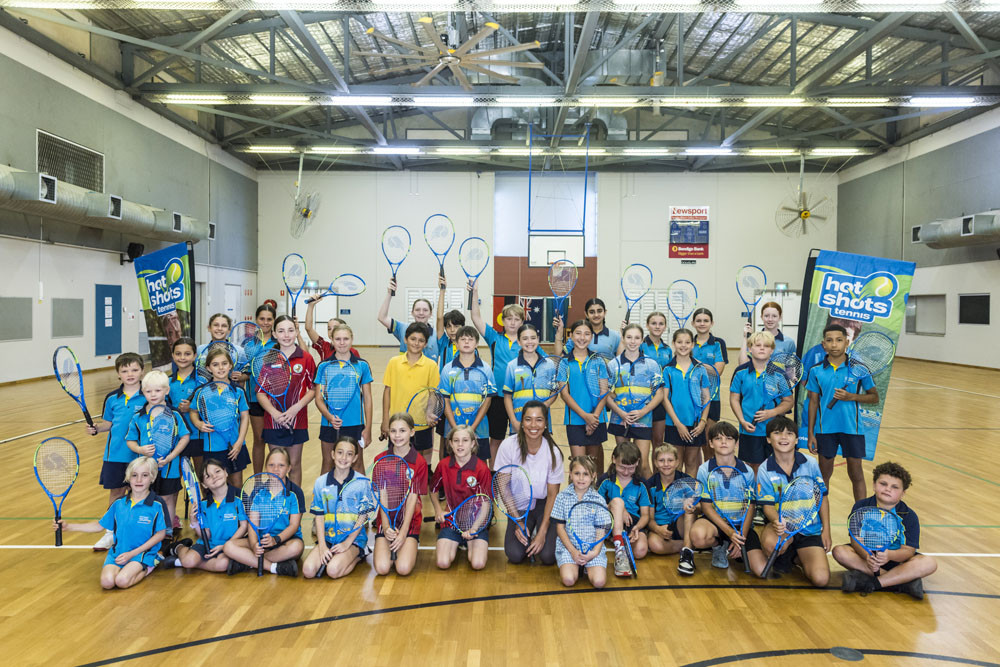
816	205
460	75
400	68
503	63
429	28
507	49
488	29
429	75
376	54
818	217
790	222
488	72
393	40
793	210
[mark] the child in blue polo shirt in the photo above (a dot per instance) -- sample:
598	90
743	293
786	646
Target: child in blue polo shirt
449	323
900	568
344	543
586	425
839	427
751	404
183	381
119	407
138	524
770	316
222	519
356	416
582	474
228	448
654	346
628	501
812	543
669	533
519	383
604	341
462	393
708	349
684	424
421	312
632	402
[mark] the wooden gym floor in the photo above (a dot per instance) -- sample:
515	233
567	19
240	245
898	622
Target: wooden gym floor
942	423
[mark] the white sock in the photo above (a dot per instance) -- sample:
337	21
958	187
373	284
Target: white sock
274	568
177	562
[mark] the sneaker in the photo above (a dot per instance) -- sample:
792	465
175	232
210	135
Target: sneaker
166	563
720	556
622	568
758	518
686	564
287	568
184	542
857	582
915	589
106	542
236	567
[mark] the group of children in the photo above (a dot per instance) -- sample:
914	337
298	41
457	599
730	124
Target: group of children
668	438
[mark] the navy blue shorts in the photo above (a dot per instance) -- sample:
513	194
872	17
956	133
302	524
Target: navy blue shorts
754	448
673	436
449	533
282	437
752	541
714	410
634	432
332	435
659	413
241	462
423	440
165	486
256	410
484	452
194	447
497	416
852	446
439	427
676	532
577	435
113	475
802	541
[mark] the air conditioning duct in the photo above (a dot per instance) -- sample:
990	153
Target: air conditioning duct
485	122
42	195
968	230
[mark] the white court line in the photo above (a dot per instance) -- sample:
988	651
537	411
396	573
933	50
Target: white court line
43	430
941	386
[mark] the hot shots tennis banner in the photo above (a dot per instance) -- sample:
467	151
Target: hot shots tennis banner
166	278
863	294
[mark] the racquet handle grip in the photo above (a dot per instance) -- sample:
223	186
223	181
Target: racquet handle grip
833	402
86	415
470	300
441	270
392	292
58	535
628	314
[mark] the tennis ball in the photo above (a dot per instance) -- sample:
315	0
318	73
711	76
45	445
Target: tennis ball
174	273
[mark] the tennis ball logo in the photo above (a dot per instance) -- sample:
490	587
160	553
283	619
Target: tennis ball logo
174	273
860	298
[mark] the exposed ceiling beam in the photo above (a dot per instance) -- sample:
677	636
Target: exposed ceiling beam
576	70
972	38
193	43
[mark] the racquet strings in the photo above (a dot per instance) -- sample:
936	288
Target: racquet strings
562	277
473	514
874	528
512	491
749	280
589	523
800	501
56	463
678	493
703	384
69	372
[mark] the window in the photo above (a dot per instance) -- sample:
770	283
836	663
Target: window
925	314
973	308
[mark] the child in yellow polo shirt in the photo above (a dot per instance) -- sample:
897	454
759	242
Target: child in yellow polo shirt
406	375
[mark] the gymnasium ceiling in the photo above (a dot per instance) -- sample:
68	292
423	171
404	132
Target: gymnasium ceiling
743	91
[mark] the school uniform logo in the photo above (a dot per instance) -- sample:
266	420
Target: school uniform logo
861	298
297	368
145	520
471	481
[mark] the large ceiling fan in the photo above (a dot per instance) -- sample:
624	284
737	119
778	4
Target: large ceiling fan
442	55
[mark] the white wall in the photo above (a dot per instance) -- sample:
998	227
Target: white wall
72	272
632	227
346	235
971	344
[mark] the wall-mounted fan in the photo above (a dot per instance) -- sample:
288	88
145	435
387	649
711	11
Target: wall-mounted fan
306	205
802	213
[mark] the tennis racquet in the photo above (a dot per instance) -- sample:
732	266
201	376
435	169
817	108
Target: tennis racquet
731	498
426	407
218	405
439	234
512	494
339	382
249	341
472	516
273	375
70	378
391	479
703	385
473	256
57	464
263	497
356	506
346	284
597	377
193	488
636	281
161	428
874	528
396	243
201	361
548	378
628	552
781	375
870	354
589	523
750	282
682	297
562	279
798	507
293	273
677	496
469	390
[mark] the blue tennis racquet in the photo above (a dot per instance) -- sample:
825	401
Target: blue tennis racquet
469	390
218	406
339	383
562	279
472	516
439	234
57	464
597	377
636	281
703	385
644	378
263	497
293	272
874	528
273	374
356	505
396	243
346	284
512	494
678	495
391	481
248	338
473	256
67	370
780	377
731	498
161	429
797	508
426	407
682	297
193	487
750	283
201	361
548	378
589	523
869	354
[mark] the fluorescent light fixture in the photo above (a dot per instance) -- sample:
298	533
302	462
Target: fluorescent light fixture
182	98
415	3
582	151
280	99
396	150
647	151
836	151
941	101
857	101
771	3
772	151
520	151
361	100
458	151
653	6
708	151
271	149
537	6
608	101
335	150
527	101
443	101
900	2
774	101
690	101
